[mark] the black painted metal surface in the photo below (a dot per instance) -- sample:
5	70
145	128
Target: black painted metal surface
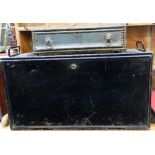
79	91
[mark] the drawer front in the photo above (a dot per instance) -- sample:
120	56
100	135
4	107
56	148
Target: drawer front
78	39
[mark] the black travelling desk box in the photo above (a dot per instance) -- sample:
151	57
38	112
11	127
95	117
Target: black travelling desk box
79	91
79	78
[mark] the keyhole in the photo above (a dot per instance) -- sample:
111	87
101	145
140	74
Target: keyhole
73	66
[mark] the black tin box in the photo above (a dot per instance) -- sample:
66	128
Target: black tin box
90	91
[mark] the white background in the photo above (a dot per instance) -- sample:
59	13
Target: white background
77	11
77	142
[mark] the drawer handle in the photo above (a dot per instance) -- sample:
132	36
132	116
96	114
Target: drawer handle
108	39
140	45
49	42
14	54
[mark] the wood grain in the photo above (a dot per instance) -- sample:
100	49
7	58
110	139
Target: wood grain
2	94
135	33
41	24
25	41
153	39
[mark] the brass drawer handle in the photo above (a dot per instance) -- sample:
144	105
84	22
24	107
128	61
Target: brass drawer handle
140	45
